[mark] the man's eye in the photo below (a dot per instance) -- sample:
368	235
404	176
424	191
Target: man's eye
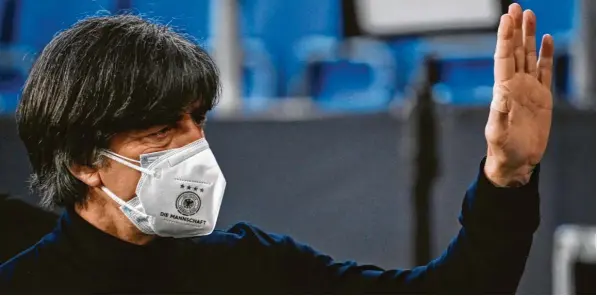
161	133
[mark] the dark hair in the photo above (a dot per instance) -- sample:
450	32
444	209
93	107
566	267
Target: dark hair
102	76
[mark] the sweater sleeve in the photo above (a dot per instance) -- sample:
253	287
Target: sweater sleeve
487	256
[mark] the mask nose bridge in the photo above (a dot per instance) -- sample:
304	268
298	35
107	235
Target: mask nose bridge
187	152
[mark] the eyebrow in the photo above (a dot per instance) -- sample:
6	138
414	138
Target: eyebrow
173	120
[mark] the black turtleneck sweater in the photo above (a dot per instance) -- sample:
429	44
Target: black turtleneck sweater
487	256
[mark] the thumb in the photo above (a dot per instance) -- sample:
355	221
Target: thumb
497	122
500	101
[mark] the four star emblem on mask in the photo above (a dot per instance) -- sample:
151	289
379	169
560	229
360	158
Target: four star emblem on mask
188	187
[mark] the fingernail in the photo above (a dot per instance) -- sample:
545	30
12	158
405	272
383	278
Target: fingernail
530	15
513	6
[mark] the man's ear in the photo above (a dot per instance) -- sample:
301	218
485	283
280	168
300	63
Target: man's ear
87	175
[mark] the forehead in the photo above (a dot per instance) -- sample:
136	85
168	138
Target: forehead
194	110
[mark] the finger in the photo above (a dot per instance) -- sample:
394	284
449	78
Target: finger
504	64
528	28
515	11
545	63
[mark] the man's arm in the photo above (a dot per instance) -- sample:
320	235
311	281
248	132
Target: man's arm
487	256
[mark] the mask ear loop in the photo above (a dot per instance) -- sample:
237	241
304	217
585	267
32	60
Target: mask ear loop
121	159
119	156
121	202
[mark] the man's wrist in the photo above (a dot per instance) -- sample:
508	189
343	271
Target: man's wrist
501	175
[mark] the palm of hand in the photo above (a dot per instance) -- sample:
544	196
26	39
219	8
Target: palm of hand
519	136
520	116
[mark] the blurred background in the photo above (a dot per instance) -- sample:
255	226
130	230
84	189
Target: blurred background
355	126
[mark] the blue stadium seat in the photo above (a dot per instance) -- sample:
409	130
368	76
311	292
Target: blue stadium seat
409	54
308	52
259	75
338	85
466	81
361	77
41	20
281	24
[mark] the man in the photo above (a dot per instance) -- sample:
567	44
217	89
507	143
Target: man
112	117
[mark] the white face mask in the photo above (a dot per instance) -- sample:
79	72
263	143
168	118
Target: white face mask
179	193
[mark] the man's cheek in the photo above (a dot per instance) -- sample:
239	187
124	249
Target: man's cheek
123	182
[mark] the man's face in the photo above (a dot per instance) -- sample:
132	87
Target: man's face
123	180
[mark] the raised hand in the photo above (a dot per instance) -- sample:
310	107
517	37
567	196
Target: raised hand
520	115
